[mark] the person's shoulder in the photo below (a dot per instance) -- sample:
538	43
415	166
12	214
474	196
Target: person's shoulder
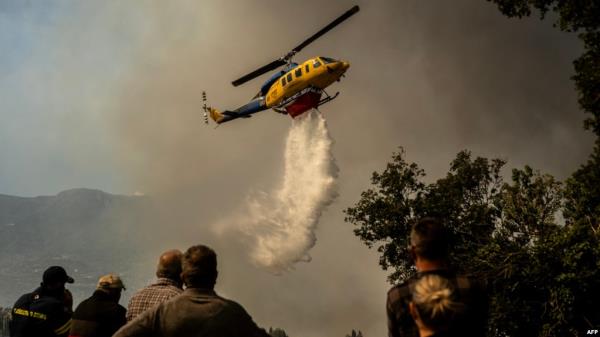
469	281
82	305
230	305
24	299
400	290
50	305
49	301
157	288
142	293
144	290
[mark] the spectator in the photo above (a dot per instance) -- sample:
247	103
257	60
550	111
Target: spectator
198	311
68	300
429	250
168	284
100	315
435	306
43	312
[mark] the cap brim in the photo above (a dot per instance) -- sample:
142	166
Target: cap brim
70	279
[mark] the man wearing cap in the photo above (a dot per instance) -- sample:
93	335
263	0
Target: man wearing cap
100	315
198	311
168	284
43	312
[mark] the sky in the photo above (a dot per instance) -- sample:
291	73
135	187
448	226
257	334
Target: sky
107	95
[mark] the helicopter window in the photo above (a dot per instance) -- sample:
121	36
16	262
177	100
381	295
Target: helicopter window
289	77
307	68
283	82
317	64
327	59
298	72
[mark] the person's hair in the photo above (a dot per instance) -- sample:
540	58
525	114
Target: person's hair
436	301
199	267
169	265
429	239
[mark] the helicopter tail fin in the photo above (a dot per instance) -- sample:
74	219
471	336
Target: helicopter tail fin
216	115
224	116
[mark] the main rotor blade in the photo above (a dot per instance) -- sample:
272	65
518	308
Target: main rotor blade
327	28
273	65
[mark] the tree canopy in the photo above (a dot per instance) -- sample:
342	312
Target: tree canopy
542	272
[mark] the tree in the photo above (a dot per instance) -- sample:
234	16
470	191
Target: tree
466	198
582	17
583	193
542	275
355	333
277	332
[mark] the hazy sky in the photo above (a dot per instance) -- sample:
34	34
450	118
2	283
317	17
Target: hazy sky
107	95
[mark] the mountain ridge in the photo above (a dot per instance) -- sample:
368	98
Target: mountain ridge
86	230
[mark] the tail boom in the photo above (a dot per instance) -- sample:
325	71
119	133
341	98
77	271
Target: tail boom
245	111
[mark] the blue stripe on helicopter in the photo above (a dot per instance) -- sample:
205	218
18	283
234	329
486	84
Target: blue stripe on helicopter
252	107
268	83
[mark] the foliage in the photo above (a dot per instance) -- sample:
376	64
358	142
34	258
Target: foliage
465	198
542	275
582	192
583	17
355	333
277	332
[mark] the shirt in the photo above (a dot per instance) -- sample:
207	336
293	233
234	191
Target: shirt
194	313
97	316
40	314
471	293
160	291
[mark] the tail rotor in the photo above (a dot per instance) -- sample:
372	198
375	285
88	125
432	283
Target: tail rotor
205	108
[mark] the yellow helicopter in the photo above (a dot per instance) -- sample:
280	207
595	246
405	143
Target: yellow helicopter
294	89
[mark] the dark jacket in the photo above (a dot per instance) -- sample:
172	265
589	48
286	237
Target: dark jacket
97	316
194	313
40	314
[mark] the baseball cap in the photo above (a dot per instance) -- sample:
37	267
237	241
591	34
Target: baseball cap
110	281
56	274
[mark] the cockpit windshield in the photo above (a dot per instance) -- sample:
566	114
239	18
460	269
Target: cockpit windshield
327	59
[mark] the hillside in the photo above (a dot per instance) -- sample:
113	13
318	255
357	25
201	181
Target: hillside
85	230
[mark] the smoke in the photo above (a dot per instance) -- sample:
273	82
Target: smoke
280	226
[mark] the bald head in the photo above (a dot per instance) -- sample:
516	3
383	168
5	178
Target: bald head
169	265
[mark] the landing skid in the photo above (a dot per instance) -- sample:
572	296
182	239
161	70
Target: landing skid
327	98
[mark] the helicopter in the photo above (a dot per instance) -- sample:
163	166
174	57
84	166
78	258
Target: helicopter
295	88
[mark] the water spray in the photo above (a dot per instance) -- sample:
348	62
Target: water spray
280	225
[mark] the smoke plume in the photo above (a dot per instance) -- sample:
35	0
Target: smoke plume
280	225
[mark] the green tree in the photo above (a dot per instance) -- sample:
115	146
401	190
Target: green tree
542	275
466	198
582	17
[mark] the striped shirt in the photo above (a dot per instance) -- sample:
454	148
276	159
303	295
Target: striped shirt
160	291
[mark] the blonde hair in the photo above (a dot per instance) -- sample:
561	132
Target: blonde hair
436	301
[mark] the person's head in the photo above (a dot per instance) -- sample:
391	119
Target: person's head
434	304
429	240
54	280
199	267
112	285
169	265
